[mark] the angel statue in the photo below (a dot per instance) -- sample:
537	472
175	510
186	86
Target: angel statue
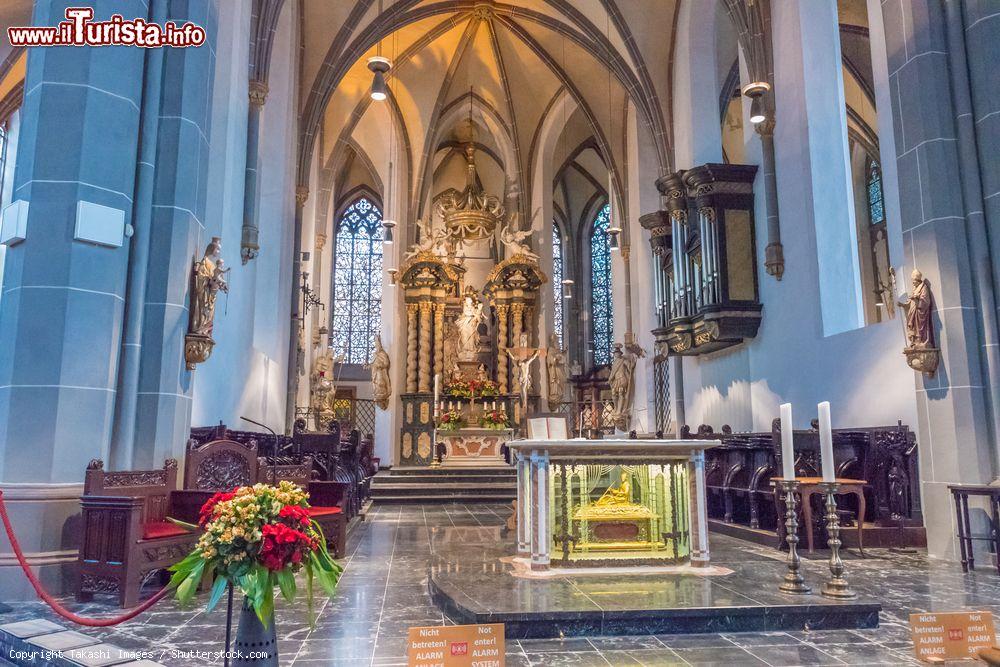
431	240
513	239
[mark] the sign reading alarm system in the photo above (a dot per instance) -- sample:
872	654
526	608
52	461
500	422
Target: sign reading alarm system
951	636
457	646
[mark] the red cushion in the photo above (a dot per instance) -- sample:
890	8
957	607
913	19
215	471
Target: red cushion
323	511
158	529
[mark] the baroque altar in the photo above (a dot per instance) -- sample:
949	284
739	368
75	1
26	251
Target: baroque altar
471	288
611	503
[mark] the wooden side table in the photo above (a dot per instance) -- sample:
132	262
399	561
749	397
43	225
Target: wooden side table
809	486
960	494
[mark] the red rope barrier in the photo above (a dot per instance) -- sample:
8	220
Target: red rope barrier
52	602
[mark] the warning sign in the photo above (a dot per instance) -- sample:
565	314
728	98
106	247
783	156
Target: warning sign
457	646
951	636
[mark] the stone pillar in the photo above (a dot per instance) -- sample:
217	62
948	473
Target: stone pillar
774	257
178	235
62	312
502	361
249	243
952	414
411	348
439	368
424	370
697	509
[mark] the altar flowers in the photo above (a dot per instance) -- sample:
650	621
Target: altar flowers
494	419
257	538
450	420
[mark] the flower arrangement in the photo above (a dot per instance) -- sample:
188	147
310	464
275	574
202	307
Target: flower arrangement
257	538
494	419
472	389
450	420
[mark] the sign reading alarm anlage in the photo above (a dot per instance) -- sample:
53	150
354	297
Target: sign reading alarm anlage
951	636
457	646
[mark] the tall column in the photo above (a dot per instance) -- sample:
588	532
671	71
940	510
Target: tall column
774	254
424	371
411	348
249	242
178	234
439	339
295	325
62	313
517	311
956	446
502	312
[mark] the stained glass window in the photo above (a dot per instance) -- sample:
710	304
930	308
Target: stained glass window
601	309
876	211
557	278
356	311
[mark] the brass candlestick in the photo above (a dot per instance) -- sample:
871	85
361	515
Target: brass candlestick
837	587
793	582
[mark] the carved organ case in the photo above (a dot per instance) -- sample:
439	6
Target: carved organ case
706	283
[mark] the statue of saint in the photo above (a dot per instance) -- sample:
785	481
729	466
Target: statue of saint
522	367
555	364
322	386
622	372
919	308
381	384
622	495
208	279
481	374
513	240
468	326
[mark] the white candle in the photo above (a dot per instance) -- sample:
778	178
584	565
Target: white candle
787	450
437	387
826	442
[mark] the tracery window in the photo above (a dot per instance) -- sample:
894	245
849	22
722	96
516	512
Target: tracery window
356	312
876	211
601	308
557	278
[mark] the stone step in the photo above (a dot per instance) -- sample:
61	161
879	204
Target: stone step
448	479
400	471
439	500
467	490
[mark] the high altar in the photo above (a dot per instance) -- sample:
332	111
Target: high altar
471	323
586	503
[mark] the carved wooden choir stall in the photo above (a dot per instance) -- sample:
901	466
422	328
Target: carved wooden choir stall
741	501
127	538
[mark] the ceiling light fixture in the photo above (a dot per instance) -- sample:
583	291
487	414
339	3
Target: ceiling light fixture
755	91
388	225
379	67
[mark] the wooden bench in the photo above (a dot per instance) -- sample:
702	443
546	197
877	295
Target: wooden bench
126	537
222	465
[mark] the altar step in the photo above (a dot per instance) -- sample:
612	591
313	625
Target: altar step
428	486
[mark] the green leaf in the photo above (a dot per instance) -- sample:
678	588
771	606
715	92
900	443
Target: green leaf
184	524
286	582
309	596
188	587
218	588
265	610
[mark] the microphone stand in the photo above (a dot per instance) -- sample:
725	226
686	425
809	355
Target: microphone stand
274	454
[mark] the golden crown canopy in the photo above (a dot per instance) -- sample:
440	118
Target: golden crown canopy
472	214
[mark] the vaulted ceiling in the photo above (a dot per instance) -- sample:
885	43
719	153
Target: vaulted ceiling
515	56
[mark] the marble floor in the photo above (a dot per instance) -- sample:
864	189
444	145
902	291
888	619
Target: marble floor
384	591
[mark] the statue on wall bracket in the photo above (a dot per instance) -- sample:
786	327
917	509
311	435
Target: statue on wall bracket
381	383
555	364
208	278
922	353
